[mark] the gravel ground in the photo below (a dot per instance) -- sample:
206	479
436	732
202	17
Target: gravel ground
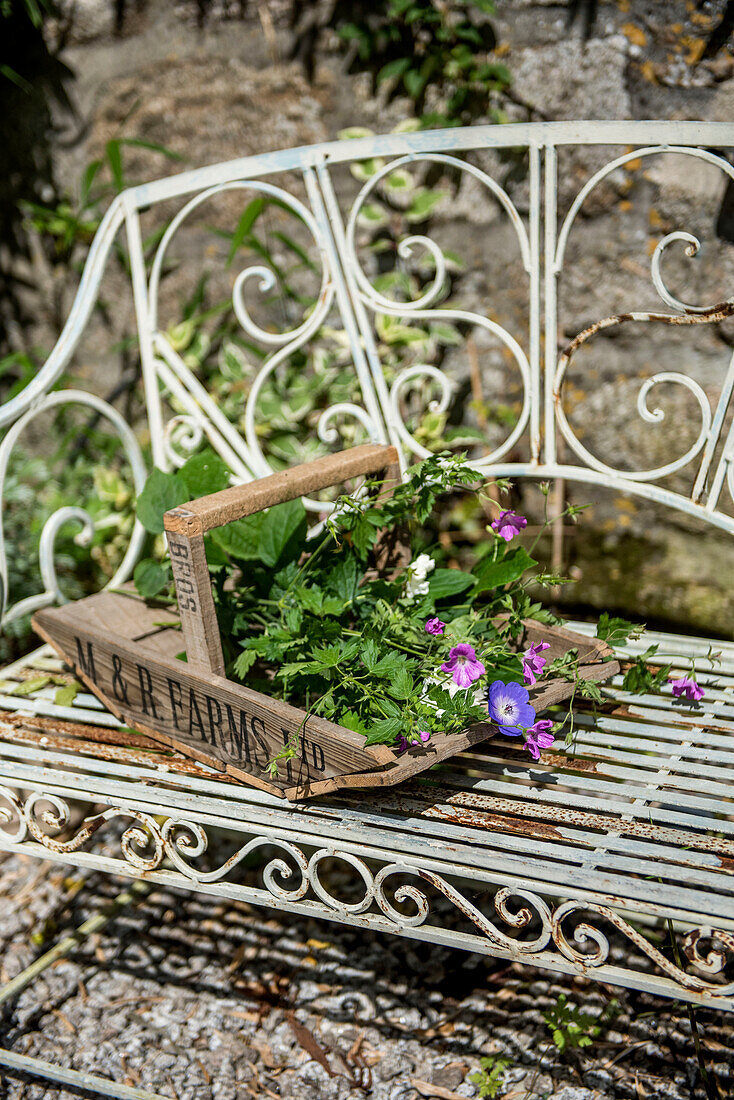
194	998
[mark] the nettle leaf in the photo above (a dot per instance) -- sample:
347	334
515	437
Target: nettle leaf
151	577
241	538
204	473
616	631
364	534
391	664
161	492
315	600
293	618
343	578
491	574
383	731
402	684
327	656
443	583
244	662
352	721
370	655
283	524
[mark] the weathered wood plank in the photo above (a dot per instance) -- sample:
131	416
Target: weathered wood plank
196	603
223	724
200	516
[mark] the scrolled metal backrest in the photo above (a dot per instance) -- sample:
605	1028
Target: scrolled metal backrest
532	445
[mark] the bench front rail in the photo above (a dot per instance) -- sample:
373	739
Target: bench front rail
574	863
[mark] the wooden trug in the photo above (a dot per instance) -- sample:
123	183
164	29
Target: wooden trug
133	665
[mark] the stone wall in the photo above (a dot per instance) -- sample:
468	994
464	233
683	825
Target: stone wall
225	88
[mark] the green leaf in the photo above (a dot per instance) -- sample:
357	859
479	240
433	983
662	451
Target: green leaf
423	205
251	213
372	215
88	178
114	159
394	68
364	534
370	655
151	577
161	492
344	578
204	473
414	82
492	574
241	538
29	686
383	731
283	524
616	631
66	695
352	721
353	133
443	583
154	146
244	662
401	686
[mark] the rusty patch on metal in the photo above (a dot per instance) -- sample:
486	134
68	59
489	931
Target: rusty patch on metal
481	819
157	759
716	313
86	731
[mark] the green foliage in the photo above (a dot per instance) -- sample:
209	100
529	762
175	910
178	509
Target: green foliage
644	679
67	693
413	46
74	219
152	577
505	570
617	631
34	488
489	1077
160	493
311	621
571	1028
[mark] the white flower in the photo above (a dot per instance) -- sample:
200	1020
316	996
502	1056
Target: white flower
418	570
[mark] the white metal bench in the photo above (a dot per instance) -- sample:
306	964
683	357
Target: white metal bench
568	864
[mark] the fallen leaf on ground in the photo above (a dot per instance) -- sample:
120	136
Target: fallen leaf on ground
425	1088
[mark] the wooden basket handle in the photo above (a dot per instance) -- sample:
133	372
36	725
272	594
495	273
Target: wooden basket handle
186	526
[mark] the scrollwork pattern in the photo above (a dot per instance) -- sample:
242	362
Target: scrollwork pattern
62	516
420	308
249	451
685	314
182	437
290	876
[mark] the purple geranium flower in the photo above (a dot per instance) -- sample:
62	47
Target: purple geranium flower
463	665
435	626
404	744
508	524
687	688
532	664
538	736
509	707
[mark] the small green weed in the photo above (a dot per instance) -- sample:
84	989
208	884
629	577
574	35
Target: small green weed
488	1079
